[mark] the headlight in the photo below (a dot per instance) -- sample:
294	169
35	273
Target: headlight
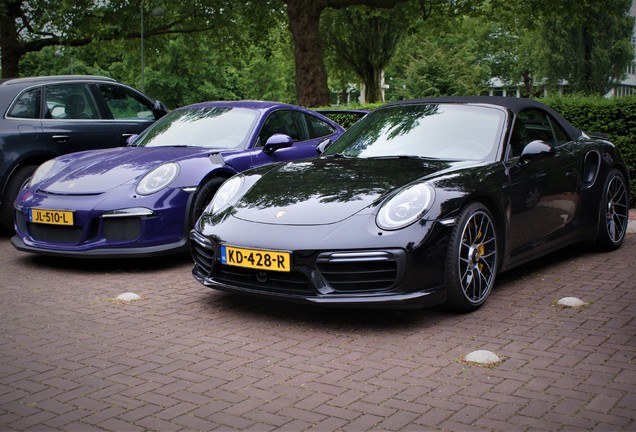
225	194
158	178
406	207
41	173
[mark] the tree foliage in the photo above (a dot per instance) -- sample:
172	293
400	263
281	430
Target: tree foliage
30	26
507	39
541	43
364	41
273	49
589	48
441	59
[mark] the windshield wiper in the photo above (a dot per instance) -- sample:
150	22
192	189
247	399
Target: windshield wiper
399	157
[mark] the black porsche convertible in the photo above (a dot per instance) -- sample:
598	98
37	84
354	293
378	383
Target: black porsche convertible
420	203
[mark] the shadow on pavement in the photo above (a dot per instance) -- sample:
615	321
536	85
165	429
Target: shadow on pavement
349	319
112	265
340	318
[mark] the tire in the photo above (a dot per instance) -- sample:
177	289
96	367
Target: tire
203	196
613	212
472	259
15	183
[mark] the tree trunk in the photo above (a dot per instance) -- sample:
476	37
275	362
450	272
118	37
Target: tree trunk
527	84
372	86
9	44
311	76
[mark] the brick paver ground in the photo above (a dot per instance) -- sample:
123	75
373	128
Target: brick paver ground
190	358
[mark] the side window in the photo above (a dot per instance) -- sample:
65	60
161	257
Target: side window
531	125
284	122
559	133
125	104
316	127
518	139
27	105
69	101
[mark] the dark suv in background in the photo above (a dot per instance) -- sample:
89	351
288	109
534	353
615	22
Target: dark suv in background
44	117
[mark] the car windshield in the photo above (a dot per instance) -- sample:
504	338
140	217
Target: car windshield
212	127
436	131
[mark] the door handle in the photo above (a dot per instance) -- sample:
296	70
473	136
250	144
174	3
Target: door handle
61	138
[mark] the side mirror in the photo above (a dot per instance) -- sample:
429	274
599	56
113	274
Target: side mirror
323	145
534	150
277	142
159	109
131	139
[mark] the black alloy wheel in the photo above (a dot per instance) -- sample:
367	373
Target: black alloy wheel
471	264
614	211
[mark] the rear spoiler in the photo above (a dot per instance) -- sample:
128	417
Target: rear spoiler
597	135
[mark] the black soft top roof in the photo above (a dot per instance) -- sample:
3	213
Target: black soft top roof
512	104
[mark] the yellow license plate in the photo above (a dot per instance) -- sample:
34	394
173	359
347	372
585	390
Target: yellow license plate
52	217
256	259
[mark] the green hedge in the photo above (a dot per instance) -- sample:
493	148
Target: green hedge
615	117
346	120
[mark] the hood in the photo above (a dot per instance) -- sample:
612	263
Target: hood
326	190
98	171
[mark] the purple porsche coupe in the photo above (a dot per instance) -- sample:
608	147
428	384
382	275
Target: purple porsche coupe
143	199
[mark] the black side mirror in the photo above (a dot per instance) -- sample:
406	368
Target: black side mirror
277	142
535	149
159	109
323	145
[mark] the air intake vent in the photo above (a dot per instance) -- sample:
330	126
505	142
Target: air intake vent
591	165
359	271
202	254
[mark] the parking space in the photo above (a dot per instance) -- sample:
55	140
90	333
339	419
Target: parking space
189	358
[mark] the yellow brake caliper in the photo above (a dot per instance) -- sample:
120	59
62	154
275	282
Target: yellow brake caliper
480	250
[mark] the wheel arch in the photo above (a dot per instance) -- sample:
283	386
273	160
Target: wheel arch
33	159
622	168
220	174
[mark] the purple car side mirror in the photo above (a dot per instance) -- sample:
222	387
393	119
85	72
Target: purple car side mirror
276	142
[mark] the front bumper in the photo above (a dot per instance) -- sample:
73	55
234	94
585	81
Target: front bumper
387	274
137	252
102	227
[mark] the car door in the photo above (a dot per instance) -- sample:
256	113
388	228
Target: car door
126	111
305	130
72	120
544	188
23	127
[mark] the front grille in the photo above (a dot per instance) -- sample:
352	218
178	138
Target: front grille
359	271
56	233
122	228
272	281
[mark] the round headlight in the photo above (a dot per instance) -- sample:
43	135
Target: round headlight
406	207
41	173
225	194
158	178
